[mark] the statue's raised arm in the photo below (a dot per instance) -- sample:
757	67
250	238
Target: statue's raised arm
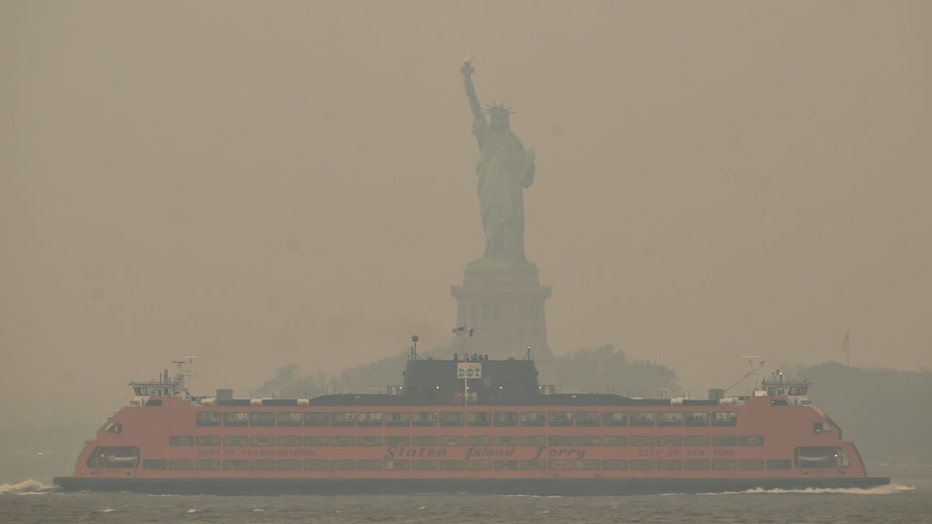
467	71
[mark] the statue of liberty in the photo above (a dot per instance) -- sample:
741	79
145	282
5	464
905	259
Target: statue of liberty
504	169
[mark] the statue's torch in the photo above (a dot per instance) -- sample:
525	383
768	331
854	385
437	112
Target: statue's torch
467	68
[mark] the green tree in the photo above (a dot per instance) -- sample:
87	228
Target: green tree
606	369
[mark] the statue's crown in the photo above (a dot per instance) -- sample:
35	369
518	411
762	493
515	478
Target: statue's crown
496	108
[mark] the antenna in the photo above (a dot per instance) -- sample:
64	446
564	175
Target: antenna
846	347
413	355
751	370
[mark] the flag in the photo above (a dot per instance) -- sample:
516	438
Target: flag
460	330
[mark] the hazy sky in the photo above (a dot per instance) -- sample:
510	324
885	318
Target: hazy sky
265	183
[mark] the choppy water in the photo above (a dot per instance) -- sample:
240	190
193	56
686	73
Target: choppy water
904	501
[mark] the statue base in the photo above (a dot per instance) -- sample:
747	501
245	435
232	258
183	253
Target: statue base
502	301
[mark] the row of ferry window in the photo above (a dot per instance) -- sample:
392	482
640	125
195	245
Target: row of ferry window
454	465
459	440
498	418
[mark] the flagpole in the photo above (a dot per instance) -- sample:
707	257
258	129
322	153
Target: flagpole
846	347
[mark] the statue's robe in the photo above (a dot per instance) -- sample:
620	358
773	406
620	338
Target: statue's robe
504	169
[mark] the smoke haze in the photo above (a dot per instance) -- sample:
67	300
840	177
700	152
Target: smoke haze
261	184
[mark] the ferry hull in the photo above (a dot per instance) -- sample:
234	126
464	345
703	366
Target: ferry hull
490	486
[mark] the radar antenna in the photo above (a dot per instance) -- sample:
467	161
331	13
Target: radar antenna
752	370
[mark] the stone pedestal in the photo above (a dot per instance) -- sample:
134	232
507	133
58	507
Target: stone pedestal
504	303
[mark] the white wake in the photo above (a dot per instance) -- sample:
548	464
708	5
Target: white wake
28	486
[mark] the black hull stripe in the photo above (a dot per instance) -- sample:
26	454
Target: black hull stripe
569	487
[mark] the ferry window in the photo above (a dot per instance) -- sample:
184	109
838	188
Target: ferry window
397	440
750	464
423	440
724	464
696	464
370	441
587	418
451	419
798	390
180	441
819	457
235	441
347	440
556	440
725	418
424	418
207	464
560	464
670	440
505	418
478	440
370	418
316	465
397	419
452	465
422	465
669	465
533	464
643	419
289	419
480	418
289	441
615	418
725	440
751	440
615	464
668	419
505	441
398	465
533	441
262	418
262	441
587	440
614	440
235	418
316	419
533	418
180	464
699	418
288	464
208	440
316	440
560	418
587	464
343	418
369	465
207	418
695	440
478	464
343	464
451	440
779	464
505	464
641	441
159	464
642	465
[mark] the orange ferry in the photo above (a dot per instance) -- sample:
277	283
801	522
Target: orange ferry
468	424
